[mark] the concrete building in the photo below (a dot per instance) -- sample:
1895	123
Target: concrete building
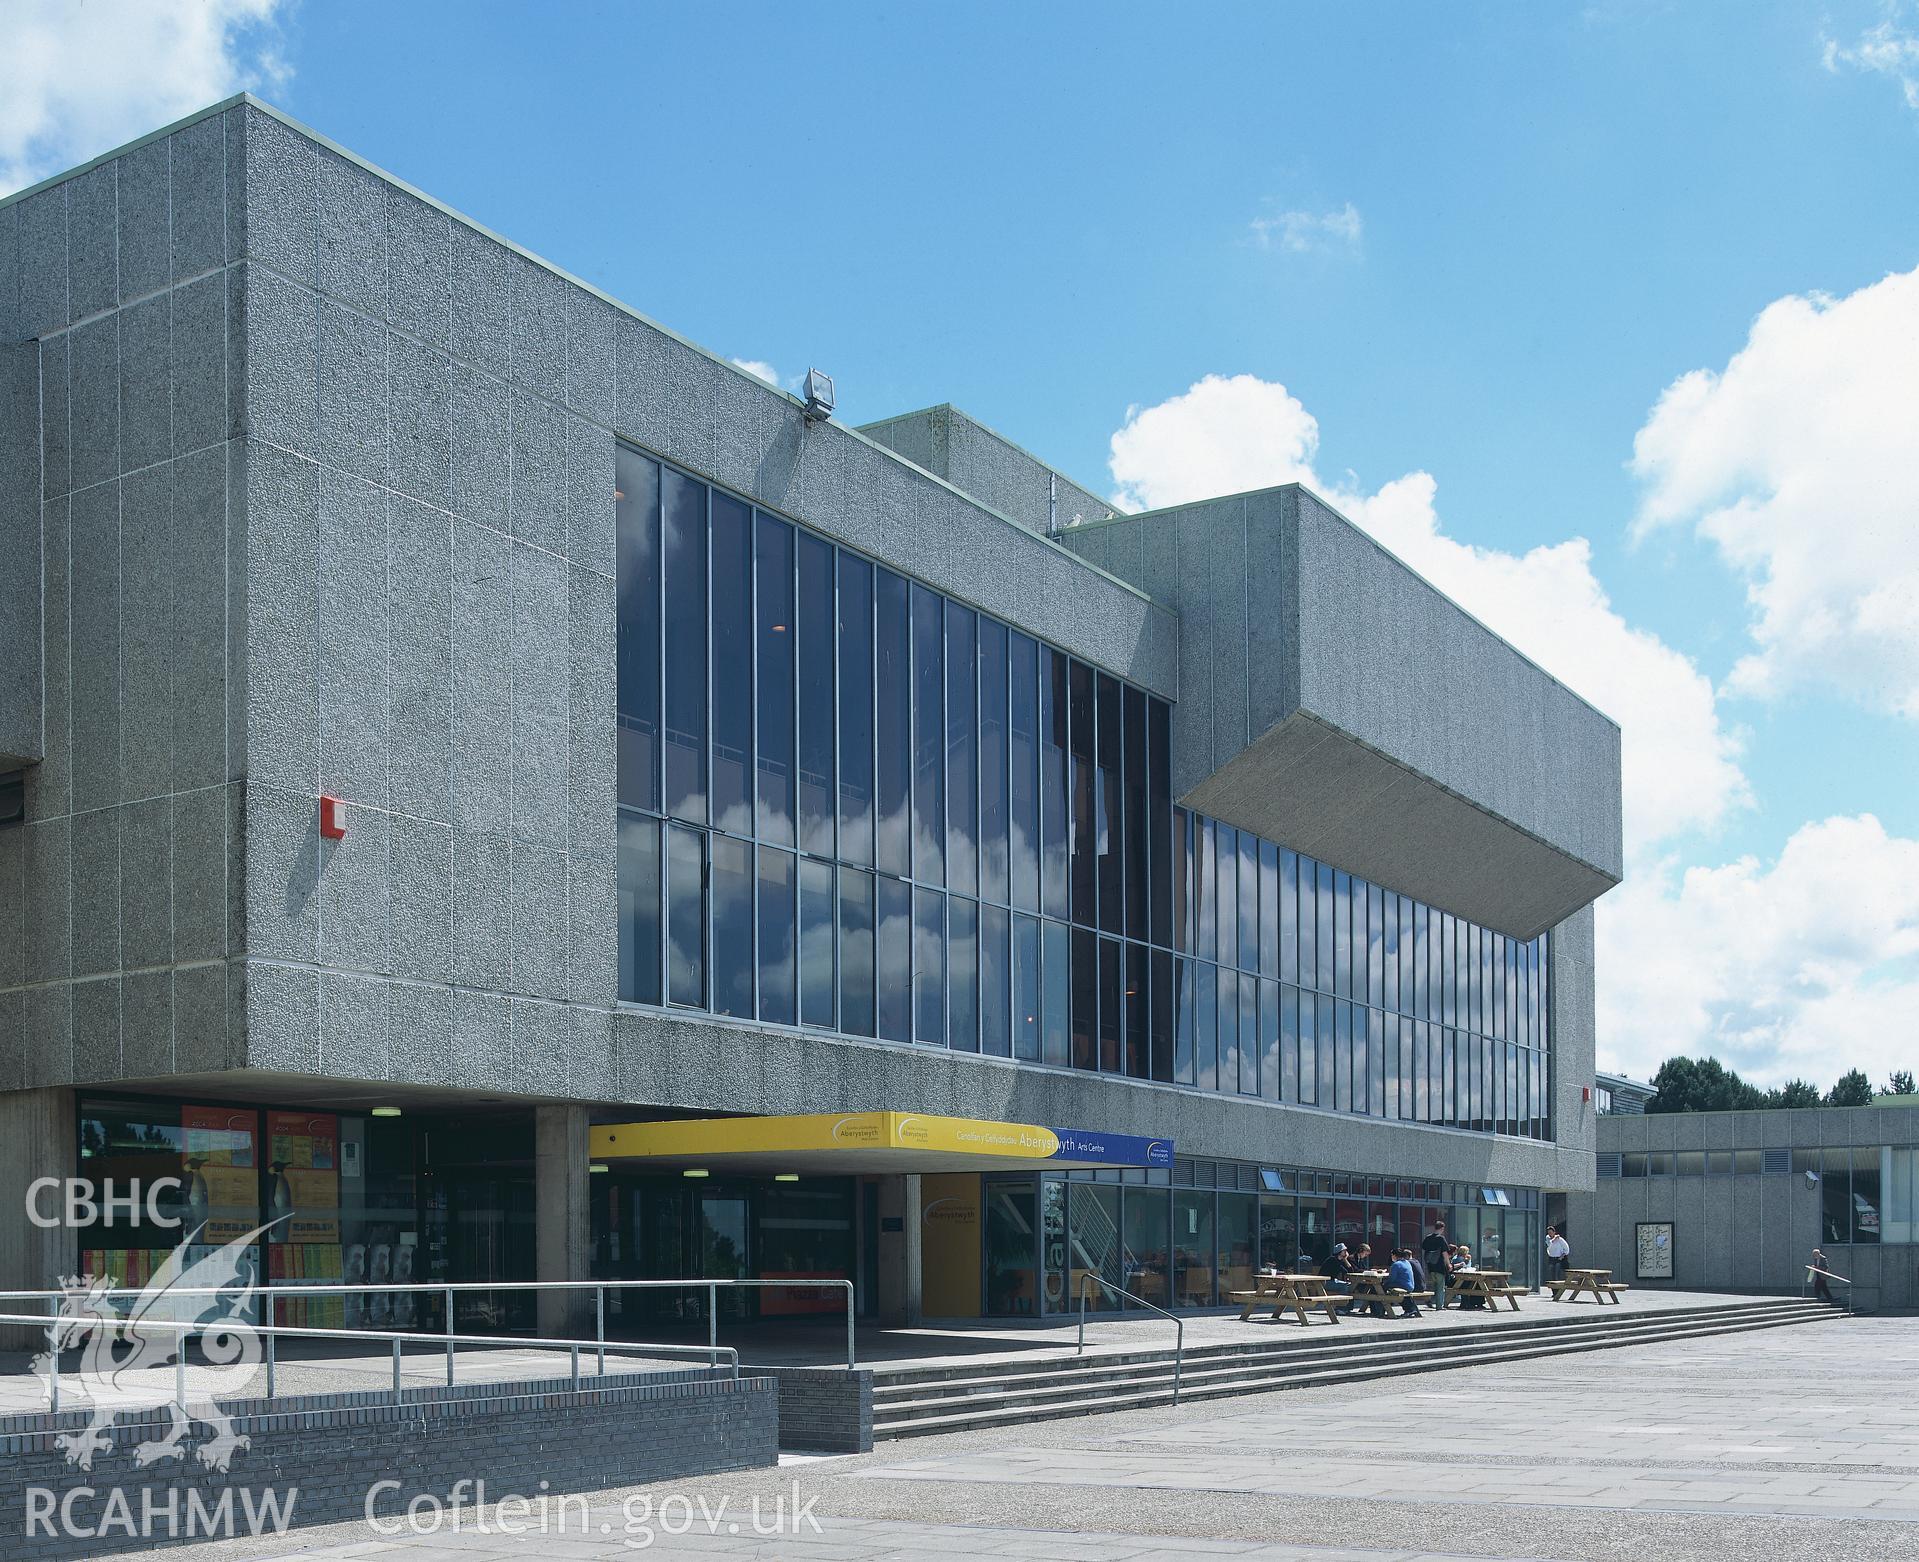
1742	1198
469	735
1615	1093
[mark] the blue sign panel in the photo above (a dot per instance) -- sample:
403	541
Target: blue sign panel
1079	1144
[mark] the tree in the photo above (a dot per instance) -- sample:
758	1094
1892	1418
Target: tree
1901	1083
1702	1085
1794	1093
1853	1089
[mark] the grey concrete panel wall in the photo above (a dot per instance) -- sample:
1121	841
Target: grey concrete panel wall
990	467
1747	1231
1527	749
1331	699
22	683
36	1140
113	288
1571	994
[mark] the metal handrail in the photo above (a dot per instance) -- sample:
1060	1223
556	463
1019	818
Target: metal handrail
447	1288
1814	1269
272	1331
1179	1323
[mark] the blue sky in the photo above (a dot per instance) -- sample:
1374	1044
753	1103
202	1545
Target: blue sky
1474	243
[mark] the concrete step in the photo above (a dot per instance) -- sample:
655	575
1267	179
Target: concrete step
1028	1400
1381	1348
1290	1343
1266	1339
1253	1376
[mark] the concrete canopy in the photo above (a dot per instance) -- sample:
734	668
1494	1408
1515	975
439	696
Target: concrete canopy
1332	700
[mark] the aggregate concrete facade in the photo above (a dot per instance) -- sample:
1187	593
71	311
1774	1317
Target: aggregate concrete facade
1742	1231
325	505
989	466
1331	699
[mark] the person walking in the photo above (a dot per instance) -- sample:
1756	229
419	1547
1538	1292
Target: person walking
1434	1251
1558	1250
1401	1278
1818	1267
1439	1270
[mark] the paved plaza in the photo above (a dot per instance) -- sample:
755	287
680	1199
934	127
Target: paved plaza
343	1369
1799	1441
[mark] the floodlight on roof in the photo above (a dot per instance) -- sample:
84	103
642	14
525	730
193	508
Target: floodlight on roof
819	396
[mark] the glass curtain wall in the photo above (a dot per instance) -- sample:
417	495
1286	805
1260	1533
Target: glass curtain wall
850	802
1221	1236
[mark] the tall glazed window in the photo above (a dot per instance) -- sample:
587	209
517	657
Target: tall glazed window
857	694
820	761
637	514
1054	784
733	778
773	589
683	554
1023	849
992	761
929	738
816	696
893	688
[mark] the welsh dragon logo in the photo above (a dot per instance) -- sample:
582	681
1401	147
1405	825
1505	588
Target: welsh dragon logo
127	1361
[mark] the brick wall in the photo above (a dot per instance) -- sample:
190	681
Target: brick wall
531	1439
824	1409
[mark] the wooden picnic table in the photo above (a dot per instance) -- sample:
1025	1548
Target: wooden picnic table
1373	1287
1296	1293
1488	1283
1599	1281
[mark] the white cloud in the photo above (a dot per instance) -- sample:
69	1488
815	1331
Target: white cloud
1797	462
1681	763
77	80
760	367
1299	232
1222	436
1806	966
1889	48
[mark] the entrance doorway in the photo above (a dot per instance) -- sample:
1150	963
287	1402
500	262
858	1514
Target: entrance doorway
723	1250
1012	1247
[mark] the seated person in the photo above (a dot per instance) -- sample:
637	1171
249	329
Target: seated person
1363	1260
1463	1264
1402	1278
1336	1269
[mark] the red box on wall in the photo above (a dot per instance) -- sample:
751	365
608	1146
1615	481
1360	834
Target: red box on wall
332	818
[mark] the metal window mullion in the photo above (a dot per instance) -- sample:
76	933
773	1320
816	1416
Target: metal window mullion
712	823
753	753
661	938
833	784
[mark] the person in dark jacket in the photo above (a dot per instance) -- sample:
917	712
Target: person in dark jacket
1817	1270
1336	1268
1434	1251
1439	1273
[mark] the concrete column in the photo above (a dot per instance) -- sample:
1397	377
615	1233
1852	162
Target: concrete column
899	1252
36	1140
562	1217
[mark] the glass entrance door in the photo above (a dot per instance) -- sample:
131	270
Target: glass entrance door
490	1237
1012	1247
723	1250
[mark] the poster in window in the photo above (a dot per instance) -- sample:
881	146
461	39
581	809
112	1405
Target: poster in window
1654	1249
303	1176
219	1172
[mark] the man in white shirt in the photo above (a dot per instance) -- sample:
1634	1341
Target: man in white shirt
1558	1250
